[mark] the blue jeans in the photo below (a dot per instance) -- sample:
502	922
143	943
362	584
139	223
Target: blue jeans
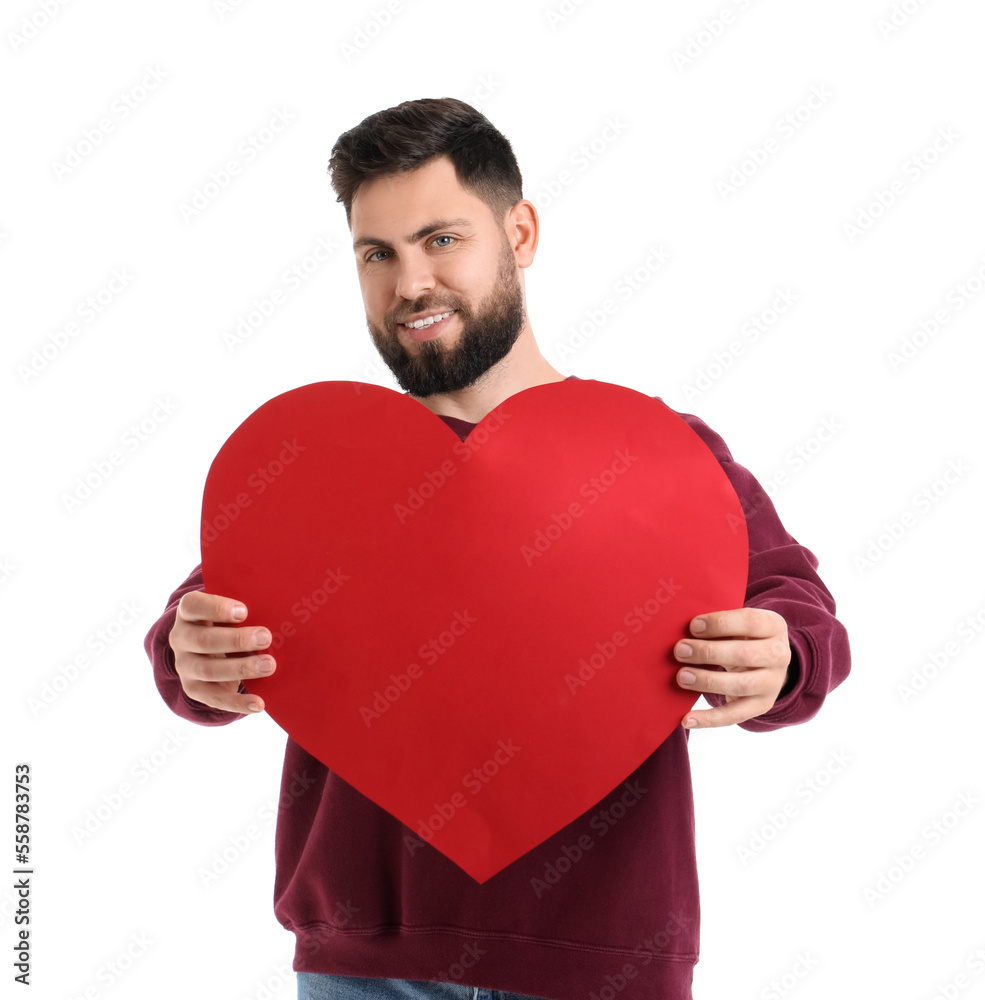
319	986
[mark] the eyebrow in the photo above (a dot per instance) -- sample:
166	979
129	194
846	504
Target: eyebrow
431	227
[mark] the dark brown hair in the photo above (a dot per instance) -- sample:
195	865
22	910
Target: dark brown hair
406	136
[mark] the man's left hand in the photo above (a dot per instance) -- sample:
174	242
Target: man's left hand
752	645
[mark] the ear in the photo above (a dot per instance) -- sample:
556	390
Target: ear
522	227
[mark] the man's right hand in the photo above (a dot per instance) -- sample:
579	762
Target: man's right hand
211	660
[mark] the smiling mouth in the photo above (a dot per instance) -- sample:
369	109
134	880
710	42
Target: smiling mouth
423	324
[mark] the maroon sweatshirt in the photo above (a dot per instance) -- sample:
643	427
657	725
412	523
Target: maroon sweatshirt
607	906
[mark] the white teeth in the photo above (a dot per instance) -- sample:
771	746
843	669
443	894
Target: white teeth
428	321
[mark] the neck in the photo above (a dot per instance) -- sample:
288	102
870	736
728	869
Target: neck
522	368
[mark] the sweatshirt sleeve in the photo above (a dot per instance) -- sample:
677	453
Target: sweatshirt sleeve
783	578
161	656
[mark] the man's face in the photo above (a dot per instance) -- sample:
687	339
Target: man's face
425	246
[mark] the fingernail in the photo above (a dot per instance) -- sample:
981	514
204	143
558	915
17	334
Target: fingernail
266	666
699	625
687	677
253	706
689	723
239	612
262	638
684	650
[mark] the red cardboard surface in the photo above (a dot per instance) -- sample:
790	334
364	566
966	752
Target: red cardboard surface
476	635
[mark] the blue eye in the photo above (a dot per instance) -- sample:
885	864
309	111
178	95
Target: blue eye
374	257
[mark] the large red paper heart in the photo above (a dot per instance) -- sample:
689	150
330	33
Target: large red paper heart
476	635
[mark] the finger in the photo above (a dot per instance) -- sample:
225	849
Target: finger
739	684
756	623
734	653
197	606
229	699
725	715
225	668
196	638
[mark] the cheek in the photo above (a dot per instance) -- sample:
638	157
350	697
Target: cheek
467	277
374	298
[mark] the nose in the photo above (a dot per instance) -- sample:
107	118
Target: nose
414	274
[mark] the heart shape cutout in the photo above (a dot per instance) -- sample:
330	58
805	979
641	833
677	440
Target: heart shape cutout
476	635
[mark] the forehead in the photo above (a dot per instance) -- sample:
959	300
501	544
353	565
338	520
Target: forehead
393	207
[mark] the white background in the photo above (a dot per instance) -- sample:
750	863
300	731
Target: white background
894	427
